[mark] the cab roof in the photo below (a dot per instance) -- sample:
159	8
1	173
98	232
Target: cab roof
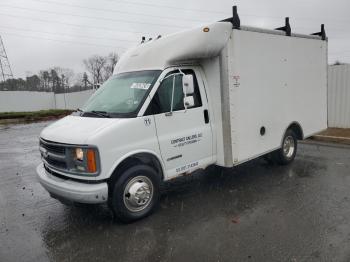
195	44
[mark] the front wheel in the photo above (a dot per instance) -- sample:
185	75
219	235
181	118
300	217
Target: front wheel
135	194
286	154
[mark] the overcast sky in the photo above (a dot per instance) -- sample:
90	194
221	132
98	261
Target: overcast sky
39	34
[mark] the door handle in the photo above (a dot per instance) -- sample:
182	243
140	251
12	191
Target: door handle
206	116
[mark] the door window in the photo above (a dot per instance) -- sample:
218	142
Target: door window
161	102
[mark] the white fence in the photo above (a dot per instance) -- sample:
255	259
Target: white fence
72	100
339	96
22	101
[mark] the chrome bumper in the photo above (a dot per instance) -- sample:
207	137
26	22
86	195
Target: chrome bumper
70	190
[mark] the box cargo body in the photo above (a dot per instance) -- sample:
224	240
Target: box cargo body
267	81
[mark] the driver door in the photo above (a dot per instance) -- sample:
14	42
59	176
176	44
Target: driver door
184	135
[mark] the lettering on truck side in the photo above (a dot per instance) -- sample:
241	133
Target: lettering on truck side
187	140
184	168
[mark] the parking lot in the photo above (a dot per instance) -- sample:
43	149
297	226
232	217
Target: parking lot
255	212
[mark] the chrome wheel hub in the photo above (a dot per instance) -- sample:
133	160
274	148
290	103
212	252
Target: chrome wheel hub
288	147
138	193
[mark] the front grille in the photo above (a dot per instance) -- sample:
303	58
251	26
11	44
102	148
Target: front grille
53	147
53	154
56	163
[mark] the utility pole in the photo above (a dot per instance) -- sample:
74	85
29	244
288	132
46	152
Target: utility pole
5	68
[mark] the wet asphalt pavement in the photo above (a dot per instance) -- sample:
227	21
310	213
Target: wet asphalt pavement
256	212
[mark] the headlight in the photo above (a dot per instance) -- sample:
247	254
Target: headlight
85	160
79	154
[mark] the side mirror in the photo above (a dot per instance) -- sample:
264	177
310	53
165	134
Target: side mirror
187	85
188	101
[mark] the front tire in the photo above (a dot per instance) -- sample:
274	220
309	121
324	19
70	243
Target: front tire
286	154
135	193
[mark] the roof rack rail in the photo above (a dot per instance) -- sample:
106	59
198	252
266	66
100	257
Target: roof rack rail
235	20
286	28
236	23
322	34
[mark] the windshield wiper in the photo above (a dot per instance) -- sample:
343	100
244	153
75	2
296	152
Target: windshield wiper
78	112
100	113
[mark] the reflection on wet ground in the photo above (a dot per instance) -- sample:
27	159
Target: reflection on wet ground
255	212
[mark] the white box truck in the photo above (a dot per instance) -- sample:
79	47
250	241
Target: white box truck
220	94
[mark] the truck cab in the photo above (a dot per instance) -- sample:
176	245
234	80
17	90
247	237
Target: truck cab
154	124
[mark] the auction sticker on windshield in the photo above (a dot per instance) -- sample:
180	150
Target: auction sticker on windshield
143	86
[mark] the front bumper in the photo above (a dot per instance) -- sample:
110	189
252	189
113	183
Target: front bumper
67	189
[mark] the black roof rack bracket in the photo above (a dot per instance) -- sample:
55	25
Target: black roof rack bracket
286	28
322	34
235	20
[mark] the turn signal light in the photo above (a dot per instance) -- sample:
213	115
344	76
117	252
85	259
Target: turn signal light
91	161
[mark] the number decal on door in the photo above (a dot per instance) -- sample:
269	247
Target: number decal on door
186	167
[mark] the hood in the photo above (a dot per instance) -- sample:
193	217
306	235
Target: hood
75	129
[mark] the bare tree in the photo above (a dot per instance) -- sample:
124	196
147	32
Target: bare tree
85	80
95	65
55	81
44	77
81	82
112	60
66	76
32	83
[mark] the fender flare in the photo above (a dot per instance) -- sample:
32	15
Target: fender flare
294	123
137	152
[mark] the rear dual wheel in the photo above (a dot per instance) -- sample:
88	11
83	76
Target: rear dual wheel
286	154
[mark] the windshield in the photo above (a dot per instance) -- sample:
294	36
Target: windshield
122	94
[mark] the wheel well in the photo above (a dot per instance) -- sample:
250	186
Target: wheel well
141	158
298	131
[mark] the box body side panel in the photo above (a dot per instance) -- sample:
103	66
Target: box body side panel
274	81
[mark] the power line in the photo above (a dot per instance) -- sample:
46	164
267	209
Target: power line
342	21
166	6
117	11
62	34
94	27
216	12
63	41
332	20
91	37
77	25
90	17
156	24
69	24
